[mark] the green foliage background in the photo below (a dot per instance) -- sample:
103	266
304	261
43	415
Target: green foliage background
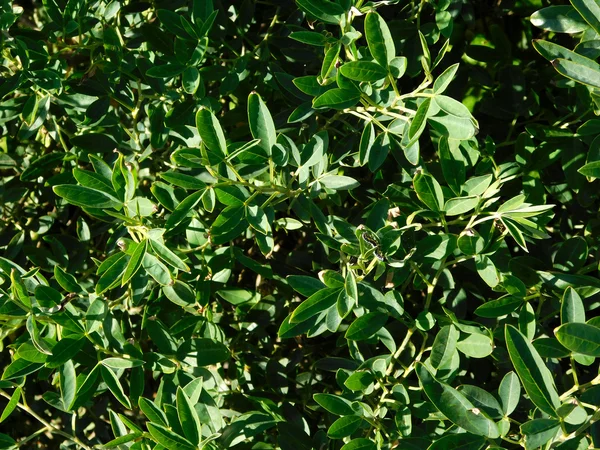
300	224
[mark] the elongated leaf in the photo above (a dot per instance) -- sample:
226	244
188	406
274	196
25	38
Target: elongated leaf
366	326
344	426
335	404
429	191
559	18
135	262
324	10
188	417
261	122
455	406
316	303
571	308
183	209
580	338
86	197
590	11
379	39
168	256
577	72
509	392
211	132
337	99
168	439
533	373
363	71
114	385
12	404
444	346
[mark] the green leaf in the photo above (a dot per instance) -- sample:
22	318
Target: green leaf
167	438
359	444
86	197
379	151
257	219
379	39
499	307
261	122
168	256
335	404
461	441
114	385
113	273
12	404
122	363
460	205
366	326
344	426
538	432
324	10
579	73
429	191
188	417
571	308
180	293
211	132
204	352
417	126
165	71
182	180
591	169
444	346
509	393
455	406
183	209
64	350
95	181
487	270
339	182
315	304
560	19
363	71
552	51
533	373
476	345
359	380
580	338
443	81
337	99
135	262
68	384
590	11
152	412
190	80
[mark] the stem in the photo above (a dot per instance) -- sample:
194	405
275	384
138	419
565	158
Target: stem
49	426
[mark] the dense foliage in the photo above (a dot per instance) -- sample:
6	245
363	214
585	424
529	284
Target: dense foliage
310	224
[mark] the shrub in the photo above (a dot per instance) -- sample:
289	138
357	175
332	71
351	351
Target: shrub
310	224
